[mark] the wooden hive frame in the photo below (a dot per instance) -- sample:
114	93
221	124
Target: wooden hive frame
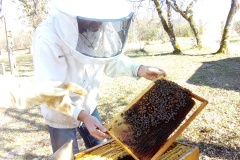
171	138
112	150
182	127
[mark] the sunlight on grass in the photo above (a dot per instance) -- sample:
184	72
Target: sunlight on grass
215	130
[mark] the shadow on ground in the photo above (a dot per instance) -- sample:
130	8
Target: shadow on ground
23	134
27	156
24	117
215	150
136	53
223	73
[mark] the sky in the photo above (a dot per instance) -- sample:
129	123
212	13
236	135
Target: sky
9	9
214	9
211	14
209	10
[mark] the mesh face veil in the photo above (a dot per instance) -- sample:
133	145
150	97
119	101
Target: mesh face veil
102	39
103	25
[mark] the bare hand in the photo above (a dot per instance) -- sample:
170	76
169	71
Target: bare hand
150	73
95	128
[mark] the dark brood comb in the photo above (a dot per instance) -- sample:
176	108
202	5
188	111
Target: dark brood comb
154	119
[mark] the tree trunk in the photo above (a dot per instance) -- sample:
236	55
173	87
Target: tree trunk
171	31
11	56
188	15
196	32
167	29
0	8
227	28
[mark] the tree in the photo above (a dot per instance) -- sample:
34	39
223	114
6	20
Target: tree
225	36
9	41
168	27
35	10
188	15
0	8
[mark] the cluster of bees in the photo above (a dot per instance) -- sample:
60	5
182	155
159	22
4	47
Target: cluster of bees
153	118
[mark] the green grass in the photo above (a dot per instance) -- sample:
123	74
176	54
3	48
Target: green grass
216	130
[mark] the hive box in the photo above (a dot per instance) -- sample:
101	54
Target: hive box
112	151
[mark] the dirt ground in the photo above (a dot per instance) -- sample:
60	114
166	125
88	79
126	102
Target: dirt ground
216	130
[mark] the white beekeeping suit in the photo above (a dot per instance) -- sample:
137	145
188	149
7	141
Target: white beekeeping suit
62	52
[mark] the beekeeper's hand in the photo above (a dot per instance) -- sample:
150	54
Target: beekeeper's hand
150	73
95	128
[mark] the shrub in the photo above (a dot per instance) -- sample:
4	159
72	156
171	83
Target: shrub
236	27
144	30
21	40
182	30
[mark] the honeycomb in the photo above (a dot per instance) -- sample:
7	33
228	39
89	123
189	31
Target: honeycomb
108	151
147	123
175	151
113	151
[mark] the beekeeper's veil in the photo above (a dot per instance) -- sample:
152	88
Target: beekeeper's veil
110	38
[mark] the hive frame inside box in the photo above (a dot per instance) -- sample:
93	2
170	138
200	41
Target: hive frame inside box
190	154
171	138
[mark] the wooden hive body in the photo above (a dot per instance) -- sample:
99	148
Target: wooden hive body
111	150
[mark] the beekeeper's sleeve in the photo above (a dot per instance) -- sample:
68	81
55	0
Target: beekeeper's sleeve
20	93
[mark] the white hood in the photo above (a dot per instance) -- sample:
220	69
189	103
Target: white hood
102	10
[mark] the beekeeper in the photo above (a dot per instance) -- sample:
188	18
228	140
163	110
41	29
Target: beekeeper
79	43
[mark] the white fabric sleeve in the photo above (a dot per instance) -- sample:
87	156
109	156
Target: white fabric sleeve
122	66
79	103
76	112
20	93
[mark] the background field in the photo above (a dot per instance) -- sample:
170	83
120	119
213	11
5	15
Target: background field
216	130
